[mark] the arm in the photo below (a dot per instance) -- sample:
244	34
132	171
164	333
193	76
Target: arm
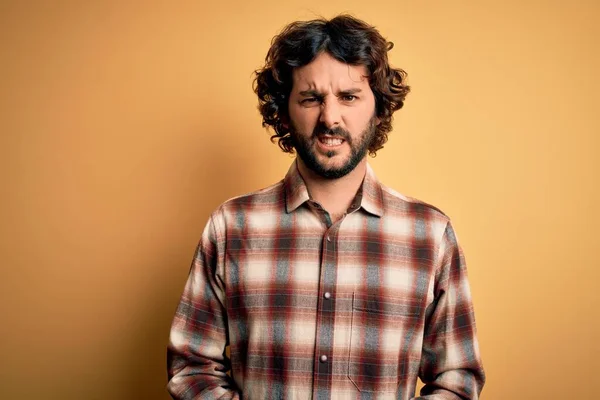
196	362
451	366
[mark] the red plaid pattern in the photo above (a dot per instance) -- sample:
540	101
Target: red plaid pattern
311	309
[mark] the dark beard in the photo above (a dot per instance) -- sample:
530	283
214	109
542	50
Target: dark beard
304	148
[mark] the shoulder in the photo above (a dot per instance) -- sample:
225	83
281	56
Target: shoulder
262	200
397	204
397	200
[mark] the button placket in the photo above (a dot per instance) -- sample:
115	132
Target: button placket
326	313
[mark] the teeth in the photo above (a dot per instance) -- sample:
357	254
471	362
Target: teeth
332	141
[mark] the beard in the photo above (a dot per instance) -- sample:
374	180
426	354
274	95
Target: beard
305	147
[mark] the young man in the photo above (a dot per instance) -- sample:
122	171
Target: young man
327	285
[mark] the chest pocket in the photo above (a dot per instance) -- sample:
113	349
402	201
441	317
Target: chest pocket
380	340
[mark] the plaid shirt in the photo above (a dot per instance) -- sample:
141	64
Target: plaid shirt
355	309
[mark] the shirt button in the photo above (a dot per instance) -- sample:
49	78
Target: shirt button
327	295
323	358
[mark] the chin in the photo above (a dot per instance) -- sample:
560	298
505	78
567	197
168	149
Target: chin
333	163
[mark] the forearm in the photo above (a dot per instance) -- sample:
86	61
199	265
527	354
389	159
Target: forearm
197	365
194	379
451	366
459	384
439	394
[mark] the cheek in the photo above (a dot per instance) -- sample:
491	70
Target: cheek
303	119
359	119
293	112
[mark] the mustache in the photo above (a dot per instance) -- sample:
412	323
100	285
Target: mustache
337	131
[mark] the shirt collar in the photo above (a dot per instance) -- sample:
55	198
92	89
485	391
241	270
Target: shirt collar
370	193
296	192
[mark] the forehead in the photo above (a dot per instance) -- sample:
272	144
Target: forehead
326	73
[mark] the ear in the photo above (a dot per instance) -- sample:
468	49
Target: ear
377	121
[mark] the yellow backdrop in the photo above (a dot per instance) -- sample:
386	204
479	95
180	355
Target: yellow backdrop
122	126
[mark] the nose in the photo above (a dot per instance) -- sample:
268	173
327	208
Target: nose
330	113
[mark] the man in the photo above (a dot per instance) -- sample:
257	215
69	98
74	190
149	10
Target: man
326	285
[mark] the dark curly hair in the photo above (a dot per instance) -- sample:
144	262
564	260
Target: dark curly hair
348	40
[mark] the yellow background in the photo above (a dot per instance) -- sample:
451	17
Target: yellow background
123	125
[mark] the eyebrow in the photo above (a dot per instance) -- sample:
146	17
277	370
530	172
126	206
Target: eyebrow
314	93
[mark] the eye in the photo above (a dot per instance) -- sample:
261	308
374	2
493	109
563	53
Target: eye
309	100
349	97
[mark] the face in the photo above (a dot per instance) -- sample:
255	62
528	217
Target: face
332	115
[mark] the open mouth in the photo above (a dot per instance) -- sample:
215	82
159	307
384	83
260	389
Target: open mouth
330	141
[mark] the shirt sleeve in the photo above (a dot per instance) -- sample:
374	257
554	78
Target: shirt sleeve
196	362
451	366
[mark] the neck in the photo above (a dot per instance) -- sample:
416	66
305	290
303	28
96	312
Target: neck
335	195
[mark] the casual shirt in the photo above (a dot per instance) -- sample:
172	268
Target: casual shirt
316	309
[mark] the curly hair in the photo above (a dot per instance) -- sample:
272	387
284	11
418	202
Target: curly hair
348	40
